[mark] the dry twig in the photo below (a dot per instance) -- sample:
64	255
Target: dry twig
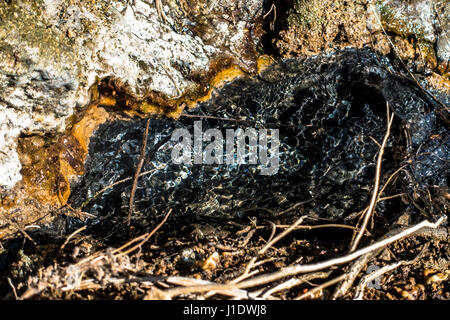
98	259
370	277
72	235
313	291
115	184
296	269
404	65
269	244
144	238
272	23
19	228
13	288
138	171
293	282
161	13
375	194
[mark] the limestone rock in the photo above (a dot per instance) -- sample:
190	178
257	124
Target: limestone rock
53	51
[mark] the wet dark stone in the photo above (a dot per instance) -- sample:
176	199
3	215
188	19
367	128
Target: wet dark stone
328	110
430	167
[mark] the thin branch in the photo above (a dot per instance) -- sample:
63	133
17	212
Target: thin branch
160	10
282	235
375	194
392	197
293	282
296	269
311	292
269	244
13	288
19	228
141	239
274	9
372	276
209	117
145	237
320	226
392	176
115	184
295	206
138	171
72	235
184	281
403	63
354	270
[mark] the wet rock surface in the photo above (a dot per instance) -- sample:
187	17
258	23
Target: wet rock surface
328	109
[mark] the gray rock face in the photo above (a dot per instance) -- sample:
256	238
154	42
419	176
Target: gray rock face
443	42
52	52
426	20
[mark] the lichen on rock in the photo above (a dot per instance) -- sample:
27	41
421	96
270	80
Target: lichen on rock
313	26
418	29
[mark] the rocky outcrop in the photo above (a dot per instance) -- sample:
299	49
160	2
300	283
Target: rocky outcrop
52	52
418	29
